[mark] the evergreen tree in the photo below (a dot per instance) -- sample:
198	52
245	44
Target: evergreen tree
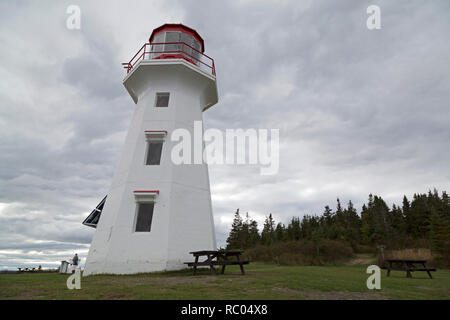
398	223
253	234
352	224
268	232
280	232
234	238
366	225
406	209
438	231
244	233
294	230
328	216
381	223
425	218
339	222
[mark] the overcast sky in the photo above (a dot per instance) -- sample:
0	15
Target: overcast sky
359	111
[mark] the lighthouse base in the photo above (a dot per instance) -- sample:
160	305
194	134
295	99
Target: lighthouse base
182	222
134	266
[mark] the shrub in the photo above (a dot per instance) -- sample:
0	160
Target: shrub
322	252
360	248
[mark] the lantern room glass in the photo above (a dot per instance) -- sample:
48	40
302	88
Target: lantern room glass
168	48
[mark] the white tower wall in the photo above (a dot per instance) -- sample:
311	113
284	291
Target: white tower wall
182	216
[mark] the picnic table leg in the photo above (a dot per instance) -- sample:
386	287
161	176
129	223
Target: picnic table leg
240	264
408	272
428	271
242	268
224	260
194	270
213	271
211	266
223	266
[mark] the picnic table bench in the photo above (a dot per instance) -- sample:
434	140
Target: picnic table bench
409	266
217	258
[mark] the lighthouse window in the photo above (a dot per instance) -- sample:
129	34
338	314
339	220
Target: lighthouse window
144	216
172	37
157	48
196	53
162	99
186	49
154	152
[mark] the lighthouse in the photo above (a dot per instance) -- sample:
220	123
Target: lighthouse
157	211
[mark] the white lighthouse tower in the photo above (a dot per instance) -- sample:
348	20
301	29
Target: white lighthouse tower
157	211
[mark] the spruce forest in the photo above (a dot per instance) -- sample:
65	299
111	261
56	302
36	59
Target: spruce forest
422	222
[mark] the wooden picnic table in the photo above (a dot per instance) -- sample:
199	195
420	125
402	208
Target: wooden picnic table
217	258
409	266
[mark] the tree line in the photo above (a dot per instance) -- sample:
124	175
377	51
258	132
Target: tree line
425	218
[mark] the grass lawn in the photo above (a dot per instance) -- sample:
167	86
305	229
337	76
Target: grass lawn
263	281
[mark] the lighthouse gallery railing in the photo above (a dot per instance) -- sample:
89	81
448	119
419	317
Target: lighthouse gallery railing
172	50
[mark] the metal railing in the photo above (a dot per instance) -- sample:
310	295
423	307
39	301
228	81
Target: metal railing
172	50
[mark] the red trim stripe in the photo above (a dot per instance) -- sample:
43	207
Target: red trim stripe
146	191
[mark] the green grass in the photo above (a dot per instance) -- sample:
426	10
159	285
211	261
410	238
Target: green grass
263	281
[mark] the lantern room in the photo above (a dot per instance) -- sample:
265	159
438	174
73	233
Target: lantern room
174	41
170	37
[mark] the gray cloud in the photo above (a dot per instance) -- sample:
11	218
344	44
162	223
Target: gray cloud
359	111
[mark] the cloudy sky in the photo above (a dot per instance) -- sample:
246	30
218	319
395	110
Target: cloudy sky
359	111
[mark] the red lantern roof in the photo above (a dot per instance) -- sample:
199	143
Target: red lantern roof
178	27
